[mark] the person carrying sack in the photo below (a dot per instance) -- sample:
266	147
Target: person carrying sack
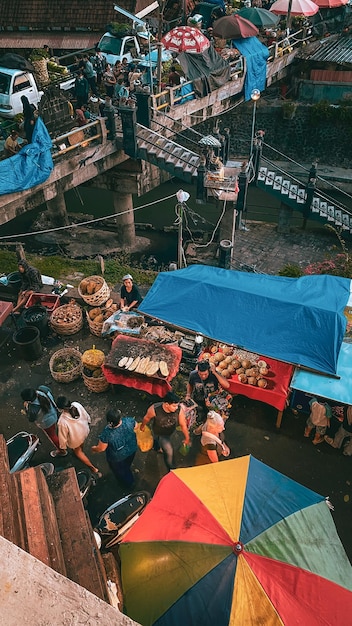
40	407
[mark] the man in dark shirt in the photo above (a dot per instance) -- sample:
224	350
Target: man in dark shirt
130	296
203	381
31	282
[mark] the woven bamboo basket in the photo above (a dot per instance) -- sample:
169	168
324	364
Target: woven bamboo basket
97	385
99	297
74	373
94	327
62	327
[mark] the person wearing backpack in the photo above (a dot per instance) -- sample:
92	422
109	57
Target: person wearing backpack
40	407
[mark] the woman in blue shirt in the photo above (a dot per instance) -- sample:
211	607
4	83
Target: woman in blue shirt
119	441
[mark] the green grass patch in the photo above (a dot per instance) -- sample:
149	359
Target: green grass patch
60	268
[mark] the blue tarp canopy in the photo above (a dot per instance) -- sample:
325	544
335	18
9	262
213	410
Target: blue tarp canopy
339	390
256	55
31	166
297	320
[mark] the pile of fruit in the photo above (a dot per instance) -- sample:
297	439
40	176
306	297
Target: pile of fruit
88	286
99	314
92	361
144	365
64	363
228	364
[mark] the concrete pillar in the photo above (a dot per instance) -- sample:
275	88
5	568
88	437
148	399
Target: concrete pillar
57	210
123	206
284	221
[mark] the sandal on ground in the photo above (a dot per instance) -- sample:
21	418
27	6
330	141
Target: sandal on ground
55	453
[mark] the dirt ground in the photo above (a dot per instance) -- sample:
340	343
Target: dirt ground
250	430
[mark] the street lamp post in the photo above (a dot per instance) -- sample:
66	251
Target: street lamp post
255	95
182	197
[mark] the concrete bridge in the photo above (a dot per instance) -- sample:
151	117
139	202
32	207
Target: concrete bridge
87	153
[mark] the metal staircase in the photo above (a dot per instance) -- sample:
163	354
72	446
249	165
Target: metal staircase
295	194
167	154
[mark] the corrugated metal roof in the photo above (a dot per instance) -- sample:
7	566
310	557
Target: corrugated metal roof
339	51
60	41
331	76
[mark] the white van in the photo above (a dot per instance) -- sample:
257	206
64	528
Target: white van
13	85
118	48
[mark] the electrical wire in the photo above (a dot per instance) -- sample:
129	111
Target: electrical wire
93	221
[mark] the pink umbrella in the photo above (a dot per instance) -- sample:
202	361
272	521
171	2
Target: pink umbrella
298	7
330	4
185	39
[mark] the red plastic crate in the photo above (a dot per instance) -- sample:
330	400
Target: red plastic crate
5	310
49	301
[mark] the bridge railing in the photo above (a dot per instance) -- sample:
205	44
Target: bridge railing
171	96
288	43
80	137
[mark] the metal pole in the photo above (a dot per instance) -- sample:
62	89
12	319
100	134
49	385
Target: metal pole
253	126
180	235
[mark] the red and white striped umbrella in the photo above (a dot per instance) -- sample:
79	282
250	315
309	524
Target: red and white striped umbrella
185	39
298	7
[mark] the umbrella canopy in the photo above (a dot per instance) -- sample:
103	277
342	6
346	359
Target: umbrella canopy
299	7
259	17
330	4
234	543
234	27
209	140
185	39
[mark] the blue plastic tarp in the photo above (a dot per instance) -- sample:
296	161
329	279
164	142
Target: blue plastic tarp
31	166
337	389
297	320
256	55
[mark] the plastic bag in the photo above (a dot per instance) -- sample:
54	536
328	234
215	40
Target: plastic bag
144	438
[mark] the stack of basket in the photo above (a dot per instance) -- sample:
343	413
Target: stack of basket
67	319
66	365
92	373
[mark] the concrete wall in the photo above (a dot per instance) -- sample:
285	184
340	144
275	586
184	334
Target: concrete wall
302	138
32	593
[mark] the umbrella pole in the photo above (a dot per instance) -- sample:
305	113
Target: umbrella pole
288	19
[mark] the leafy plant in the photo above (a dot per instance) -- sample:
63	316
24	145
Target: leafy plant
291	270
119	29
38	54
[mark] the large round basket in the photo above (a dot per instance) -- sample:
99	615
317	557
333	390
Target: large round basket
67	319
94	327
97	385
100	296
73	357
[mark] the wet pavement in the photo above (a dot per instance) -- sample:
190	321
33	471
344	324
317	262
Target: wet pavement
250	429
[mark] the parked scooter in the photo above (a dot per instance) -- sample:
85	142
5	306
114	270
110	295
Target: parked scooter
118	519
21	449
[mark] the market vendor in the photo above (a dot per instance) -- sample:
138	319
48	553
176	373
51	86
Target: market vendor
130	296
203	382
31	282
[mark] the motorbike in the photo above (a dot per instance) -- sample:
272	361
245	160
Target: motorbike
118	518
21	449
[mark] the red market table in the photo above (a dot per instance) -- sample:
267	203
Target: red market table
155	386
276	392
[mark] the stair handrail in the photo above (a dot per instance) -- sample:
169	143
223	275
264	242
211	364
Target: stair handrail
317	192
163	148
324	180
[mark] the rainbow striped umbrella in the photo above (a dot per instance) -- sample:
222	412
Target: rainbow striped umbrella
235	543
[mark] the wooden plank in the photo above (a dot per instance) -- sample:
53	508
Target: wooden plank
114	574
9	513
76	533
33	522
57	561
